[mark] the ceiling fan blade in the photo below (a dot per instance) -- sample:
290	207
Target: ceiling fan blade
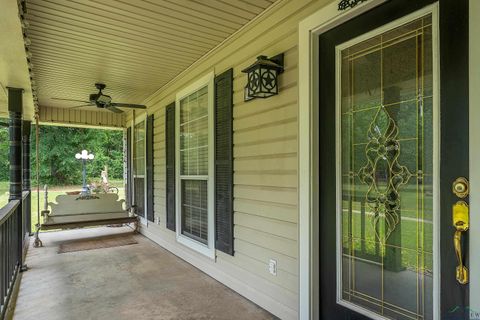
113	109
70	100
128	105
82	105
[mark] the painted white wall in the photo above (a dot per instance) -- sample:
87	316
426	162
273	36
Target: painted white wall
474	154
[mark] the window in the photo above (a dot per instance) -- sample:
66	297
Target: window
139	167
194	148
139	145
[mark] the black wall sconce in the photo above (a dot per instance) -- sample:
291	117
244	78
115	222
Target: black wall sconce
262	77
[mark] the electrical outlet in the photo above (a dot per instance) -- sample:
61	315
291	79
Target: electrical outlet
157	220
272	267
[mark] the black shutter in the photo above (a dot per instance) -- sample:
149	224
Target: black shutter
149	160
128	187
170	164
224	162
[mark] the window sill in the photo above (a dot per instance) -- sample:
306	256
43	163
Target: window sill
196	246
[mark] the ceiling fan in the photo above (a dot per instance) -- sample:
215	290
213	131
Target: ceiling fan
103	101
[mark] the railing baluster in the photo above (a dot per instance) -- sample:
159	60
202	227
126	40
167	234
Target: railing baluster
2	262
12	237
9	245
5	259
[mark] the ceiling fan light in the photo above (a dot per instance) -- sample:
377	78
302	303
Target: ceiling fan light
104	99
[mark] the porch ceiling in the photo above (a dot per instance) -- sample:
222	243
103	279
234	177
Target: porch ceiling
134	46
13	62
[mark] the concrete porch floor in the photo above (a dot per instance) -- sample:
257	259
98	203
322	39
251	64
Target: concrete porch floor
138	281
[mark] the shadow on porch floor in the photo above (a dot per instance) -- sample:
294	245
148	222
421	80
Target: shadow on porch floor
137	281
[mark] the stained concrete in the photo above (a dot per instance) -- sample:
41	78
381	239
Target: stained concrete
139	281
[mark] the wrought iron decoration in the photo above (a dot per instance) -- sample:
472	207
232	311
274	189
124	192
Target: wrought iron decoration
345	4
383	146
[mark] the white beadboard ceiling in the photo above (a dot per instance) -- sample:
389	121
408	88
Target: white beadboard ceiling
134	46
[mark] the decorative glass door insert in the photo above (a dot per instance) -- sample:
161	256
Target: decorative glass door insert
385	105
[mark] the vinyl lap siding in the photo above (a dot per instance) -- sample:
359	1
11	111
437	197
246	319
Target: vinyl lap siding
265	162
265	176
265	181
64	116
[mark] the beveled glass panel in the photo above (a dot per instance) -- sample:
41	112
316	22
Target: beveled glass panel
139	149
195	209
194	133
386	146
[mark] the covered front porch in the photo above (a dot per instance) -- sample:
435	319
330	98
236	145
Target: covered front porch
136	281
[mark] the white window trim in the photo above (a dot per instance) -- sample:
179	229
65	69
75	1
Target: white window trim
135	122
209	249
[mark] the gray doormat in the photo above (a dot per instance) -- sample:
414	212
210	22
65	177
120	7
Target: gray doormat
96	243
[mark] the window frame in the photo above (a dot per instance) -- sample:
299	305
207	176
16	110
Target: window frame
138	119
208	249
142	119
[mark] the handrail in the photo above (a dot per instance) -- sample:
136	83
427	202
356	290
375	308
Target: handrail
8	210
25	194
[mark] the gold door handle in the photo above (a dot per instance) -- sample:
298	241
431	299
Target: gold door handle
462	272
461	224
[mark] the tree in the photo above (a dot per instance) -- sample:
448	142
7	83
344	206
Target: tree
4	152
58	146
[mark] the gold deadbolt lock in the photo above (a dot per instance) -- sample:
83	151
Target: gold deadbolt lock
461	223
460	187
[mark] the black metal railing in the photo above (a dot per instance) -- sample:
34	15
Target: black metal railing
26	214
13	241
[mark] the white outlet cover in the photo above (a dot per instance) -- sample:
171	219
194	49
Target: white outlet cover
272	267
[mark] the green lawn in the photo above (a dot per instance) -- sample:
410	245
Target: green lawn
415	228
53	192
4	188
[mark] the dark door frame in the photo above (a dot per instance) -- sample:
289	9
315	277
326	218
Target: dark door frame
309	29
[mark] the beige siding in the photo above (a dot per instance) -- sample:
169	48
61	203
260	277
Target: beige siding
265	165
83	118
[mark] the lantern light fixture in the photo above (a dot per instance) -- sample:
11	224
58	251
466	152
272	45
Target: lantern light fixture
262	77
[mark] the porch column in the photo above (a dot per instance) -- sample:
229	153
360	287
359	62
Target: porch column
26	126
15	129
15	108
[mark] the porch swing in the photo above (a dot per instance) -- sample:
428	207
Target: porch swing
71	211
